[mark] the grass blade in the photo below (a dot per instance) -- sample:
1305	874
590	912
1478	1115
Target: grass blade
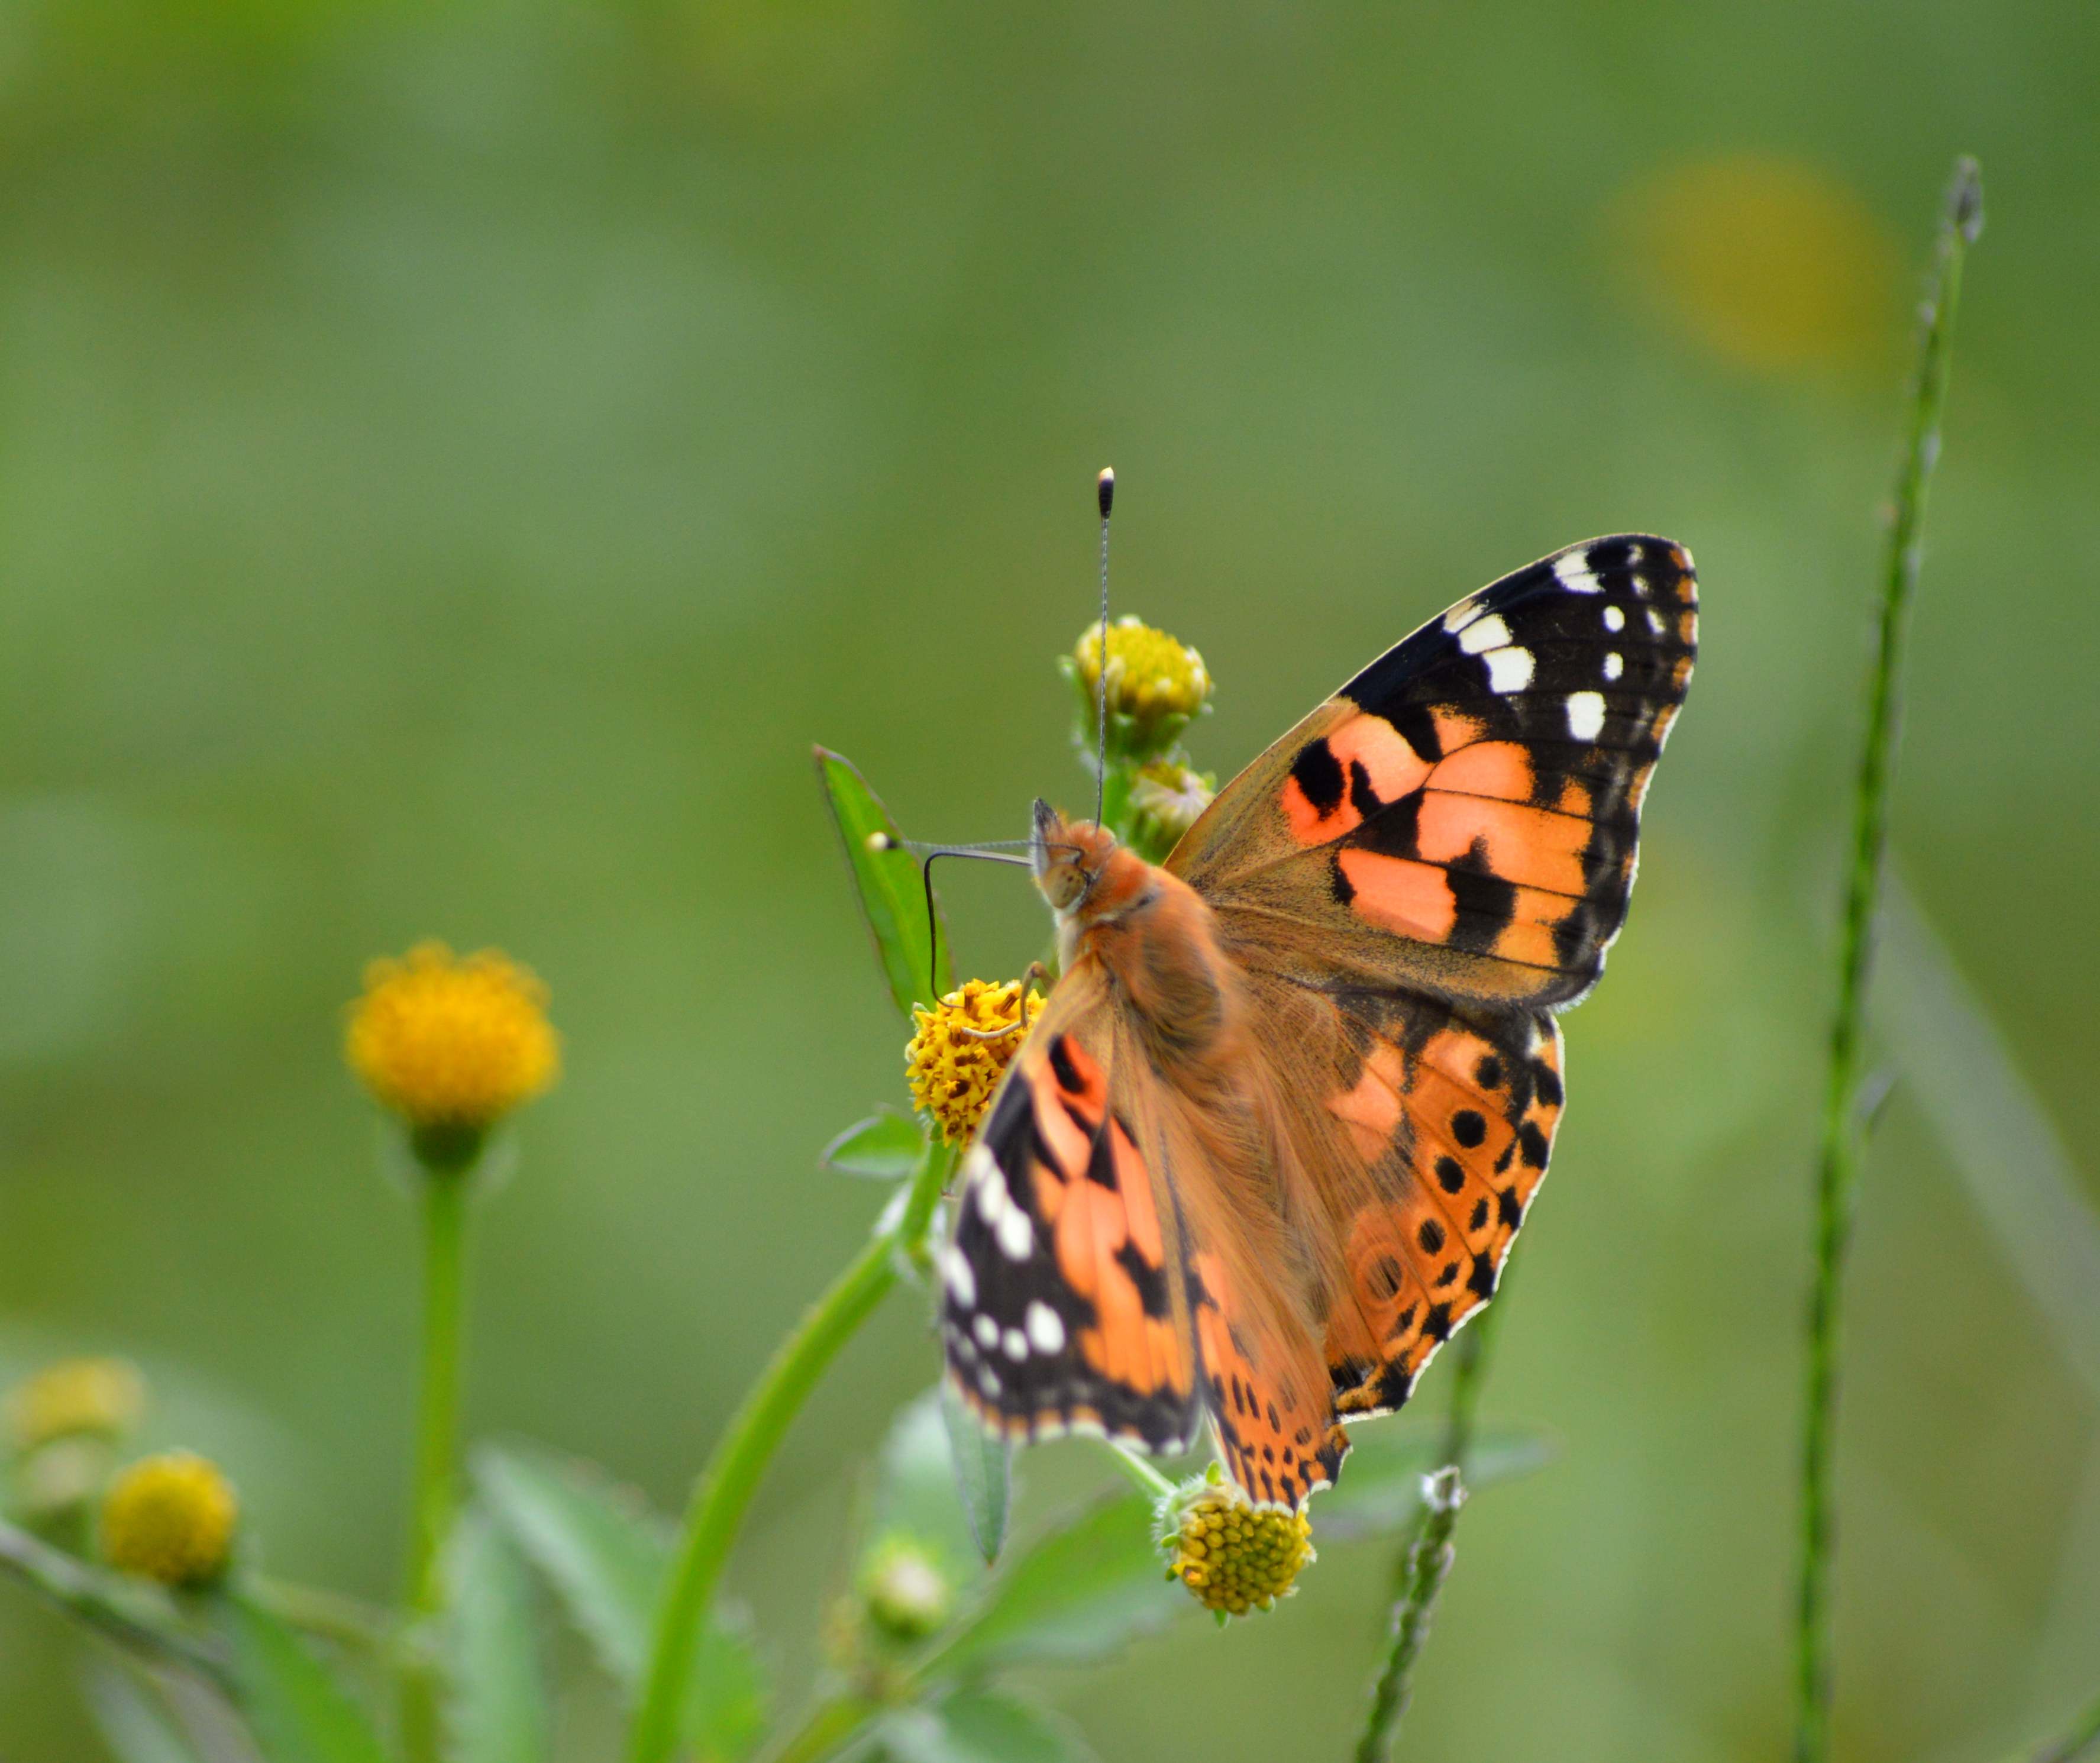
1837	1167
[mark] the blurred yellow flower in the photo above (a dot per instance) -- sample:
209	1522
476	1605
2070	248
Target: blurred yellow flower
1769	262
450	1042
951	1070
1155	684
1233	1558
170	1518
104	1397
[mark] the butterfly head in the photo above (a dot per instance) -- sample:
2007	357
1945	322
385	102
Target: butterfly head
1070	856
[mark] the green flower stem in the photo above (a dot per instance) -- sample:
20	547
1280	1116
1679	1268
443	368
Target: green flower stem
136	1616
724	1491
829	1725
1150	1481
445	1193
1427	1560
1838	1165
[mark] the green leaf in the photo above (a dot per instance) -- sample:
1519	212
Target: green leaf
891	884
498	1711
1077	1594
133	1723
980	1727
983	1470
916	1492
888	1148
1380	1488
296	1710
606	1557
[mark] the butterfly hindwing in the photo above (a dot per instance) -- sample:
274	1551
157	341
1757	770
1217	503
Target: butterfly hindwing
1452	1114
1465	809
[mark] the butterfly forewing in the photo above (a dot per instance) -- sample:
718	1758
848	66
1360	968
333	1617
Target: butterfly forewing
1474	794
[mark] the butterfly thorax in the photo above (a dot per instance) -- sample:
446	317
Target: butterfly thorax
1150	931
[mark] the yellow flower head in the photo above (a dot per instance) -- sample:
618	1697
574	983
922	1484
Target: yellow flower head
1233	1559
170	1518
1166	800
1155	685
451	1043
103	1398
952	1071
904	1592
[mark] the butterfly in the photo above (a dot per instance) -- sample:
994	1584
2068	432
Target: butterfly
1270	1139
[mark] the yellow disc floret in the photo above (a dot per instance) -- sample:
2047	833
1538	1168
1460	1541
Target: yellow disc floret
452	1043
1233	1558
103	1398
170	1518
1155	684
961	1049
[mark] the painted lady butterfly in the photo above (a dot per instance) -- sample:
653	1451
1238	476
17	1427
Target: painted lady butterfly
1272	1136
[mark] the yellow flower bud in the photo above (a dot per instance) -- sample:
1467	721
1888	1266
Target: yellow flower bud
452	1044
956	1057
170	1518
102	1396
1166	800
1233	1558
1155	685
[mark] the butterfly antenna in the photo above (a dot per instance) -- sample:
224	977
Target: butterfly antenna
985	852
1105	494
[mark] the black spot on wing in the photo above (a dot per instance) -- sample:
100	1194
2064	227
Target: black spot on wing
1319	775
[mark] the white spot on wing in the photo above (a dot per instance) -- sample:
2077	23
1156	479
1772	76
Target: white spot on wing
1655	620
985	1330
1046	1328
1614	664
962	1282
988	1382
1614	619
1573	570
1586	721
1016	1235
1508	670
1489	633
1455	620
1016	1345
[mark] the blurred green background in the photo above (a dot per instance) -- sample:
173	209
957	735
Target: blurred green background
454	460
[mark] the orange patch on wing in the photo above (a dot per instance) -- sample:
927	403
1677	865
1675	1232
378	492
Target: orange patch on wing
1399	893
1533	847
1394	768
1277	1448
1498	768
1454	728
1370	1109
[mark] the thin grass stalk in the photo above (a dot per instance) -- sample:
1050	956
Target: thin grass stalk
723	1493
1426	1561
1837	1164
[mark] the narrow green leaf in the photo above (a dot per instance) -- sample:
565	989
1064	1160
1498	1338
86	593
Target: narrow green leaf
1078	1593
891	884
915	1492
983	1472
296	1710
605	1556
498	1710
888	1148
980	1727
134	1722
